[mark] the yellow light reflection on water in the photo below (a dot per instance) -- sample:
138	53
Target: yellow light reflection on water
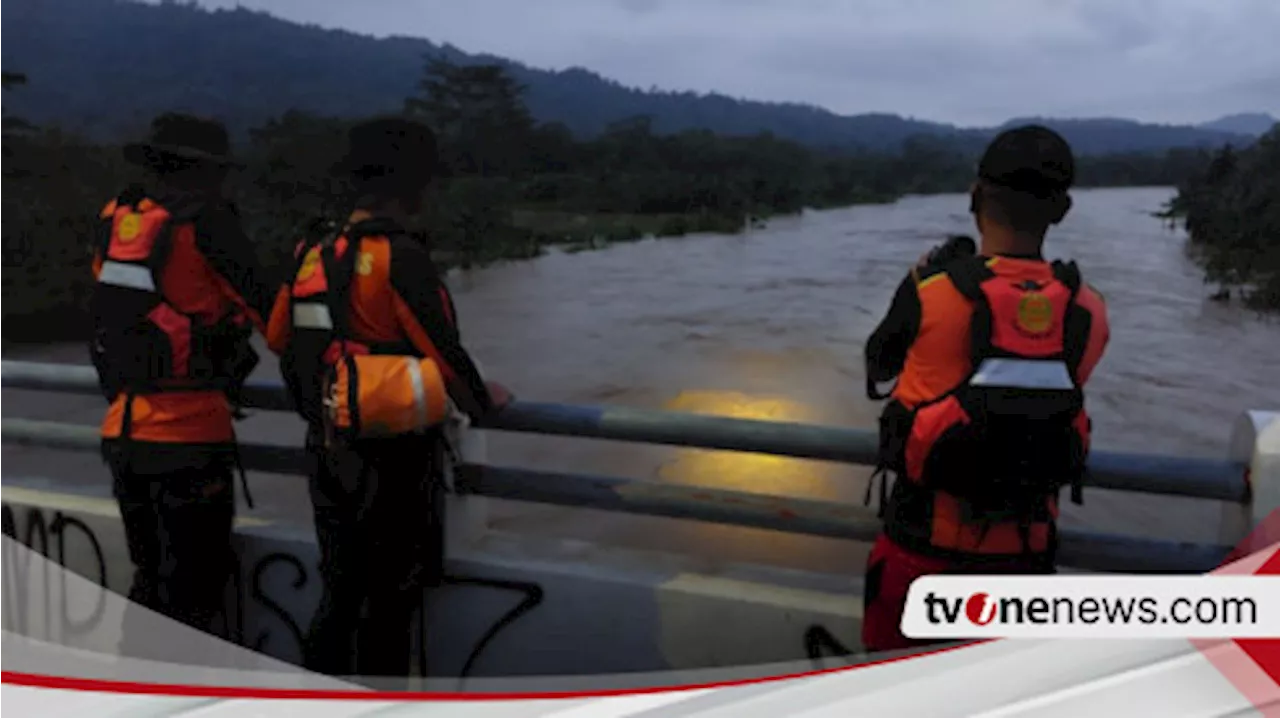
744	471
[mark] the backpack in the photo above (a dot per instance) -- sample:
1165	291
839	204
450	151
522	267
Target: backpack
1014	431
141	342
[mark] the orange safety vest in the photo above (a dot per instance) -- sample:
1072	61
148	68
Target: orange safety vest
163	330
354	386
979	464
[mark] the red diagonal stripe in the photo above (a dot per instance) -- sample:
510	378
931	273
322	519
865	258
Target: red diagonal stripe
1252	665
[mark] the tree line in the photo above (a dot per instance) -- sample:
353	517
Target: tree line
1231	210
513	186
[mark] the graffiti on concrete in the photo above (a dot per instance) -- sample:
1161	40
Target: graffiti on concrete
61	530
259	594
818	639
267	605
58	536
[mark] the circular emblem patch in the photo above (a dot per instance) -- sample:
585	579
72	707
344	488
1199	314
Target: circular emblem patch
130	226
310	263
1035	313
141	407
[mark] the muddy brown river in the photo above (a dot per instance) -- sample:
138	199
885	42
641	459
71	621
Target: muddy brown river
770	325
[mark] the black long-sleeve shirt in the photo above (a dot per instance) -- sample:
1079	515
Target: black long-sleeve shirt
886	349
417	282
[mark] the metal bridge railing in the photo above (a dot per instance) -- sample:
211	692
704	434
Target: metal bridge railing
1219	480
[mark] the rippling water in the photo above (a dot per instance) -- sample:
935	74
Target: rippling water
771	324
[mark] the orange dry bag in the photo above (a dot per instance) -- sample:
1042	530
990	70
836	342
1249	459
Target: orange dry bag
370	396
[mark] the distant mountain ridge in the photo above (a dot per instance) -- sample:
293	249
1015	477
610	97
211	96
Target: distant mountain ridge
1244	123
104	67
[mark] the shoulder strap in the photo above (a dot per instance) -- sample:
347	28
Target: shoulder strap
968	274
1076	329
1069	274
130	197
339	272
311	238
161	250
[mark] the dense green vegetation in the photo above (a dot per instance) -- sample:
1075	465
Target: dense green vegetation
103	68
515	186
51	184
1231	210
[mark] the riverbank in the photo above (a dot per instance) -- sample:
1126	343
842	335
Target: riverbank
588	230
546	227
543	227
1231	211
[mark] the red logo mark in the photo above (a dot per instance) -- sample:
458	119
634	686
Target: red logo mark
980	609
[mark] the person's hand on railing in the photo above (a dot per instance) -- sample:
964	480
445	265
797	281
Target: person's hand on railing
875	394
500	394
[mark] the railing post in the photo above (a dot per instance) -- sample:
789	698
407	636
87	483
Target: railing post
1255	443
467	515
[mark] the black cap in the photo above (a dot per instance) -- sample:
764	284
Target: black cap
184	139
390	147
1032	159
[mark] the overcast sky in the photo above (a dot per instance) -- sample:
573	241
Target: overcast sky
972	62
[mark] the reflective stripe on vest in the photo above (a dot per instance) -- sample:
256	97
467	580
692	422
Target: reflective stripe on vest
133	276
419	389
312	315
1023	373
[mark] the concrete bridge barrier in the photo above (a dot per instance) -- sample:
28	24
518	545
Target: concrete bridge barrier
514	605
574	608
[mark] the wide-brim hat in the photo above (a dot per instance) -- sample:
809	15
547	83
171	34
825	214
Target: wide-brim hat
184	138
390	147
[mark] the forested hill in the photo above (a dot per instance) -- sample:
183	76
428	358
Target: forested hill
104	67
1248	123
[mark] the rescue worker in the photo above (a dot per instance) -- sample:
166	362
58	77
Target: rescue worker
986	422
176	299
370	349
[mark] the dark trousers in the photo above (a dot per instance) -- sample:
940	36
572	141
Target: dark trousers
379	514
177	503
892	568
